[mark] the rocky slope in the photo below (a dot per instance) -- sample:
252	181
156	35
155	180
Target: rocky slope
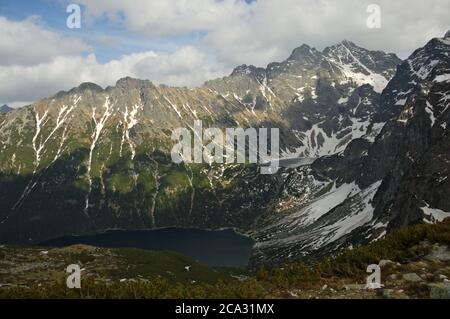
326	98
371	188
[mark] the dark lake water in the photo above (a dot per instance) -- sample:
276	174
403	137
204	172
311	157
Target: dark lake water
214	248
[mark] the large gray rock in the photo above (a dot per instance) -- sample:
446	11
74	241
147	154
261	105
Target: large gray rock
439	290
439	253
412	277
355	287
384	263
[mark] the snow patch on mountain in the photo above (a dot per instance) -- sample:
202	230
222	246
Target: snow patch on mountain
433	214
354	70
442	78
360	213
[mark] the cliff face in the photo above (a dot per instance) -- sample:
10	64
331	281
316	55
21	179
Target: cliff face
370	189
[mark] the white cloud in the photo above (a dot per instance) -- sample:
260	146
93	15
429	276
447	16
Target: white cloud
18	104
168	17
28	42
267	30
36	62
187	66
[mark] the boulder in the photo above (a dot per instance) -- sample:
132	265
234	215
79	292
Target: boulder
384	263
355	287
439	290
412	277
439	253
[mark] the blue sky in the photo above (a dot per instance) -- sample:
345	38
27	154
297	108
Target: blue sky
185	42
50	10
53	15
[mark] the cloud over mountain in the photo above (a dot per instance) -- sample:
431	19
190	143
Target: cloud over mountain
206	39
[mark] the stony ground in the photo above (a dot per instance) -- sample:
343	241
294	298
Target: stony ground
427	277
28	267
31	268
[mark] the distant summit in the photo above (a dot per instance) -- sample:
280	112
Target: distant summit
5	109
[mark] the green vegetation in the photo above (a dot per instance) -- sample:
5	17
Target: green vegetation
121	182
82	258
402	246
170	265
157	289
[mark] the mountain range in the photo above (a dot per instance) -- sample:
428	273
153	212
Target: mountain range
92	158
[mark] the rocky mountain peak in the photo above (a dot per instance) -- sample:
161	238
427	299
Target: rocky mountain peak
5	109
447	35
303	51
84	87
343	45
245	69
348	44
89	86
130	83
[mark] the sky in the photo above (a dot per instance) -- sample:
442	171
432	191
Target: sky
185	42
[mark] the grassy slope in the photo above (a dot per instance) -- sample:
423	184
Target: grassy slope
168	265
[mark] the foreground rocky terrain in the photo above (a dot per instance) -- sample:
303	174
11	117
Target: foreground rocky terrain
414	263
425	277
33	267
